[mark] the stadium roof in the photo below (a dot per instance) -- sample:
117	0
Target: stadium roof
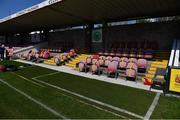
57	13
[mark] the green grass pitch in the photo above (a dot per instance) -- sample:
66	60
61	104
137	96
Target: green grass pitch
15	105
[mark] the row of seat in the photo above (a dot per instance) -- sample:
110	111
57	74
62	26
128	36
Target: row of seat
54	50
130	53
111	64
135	44
62	58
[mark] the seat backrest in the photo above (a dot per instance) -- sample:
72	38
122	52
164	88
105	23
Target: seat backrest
95	66
101	62
124	59
102	57
89	60
106	62
131	73
122	64
112	67
132	66
116	59
133	60
142	63
81	66
109	58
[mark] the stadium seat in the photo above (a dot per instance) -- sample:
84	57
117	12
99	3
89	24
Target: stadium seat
95	68
112	69
46	55
101	62
116	59
57	61
131	74
106	62
82	66
131	71
132	66
124	59
109	58
142	65
123	63
89	60
102	57
133	60
94	61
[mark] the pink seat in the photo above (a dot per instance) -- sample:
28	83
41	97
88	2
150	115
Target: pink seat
82	65
112	67
89	60
46	55
106	62
142	63
94	61
95	67
133	60
101	62
116	59
124	59
122	65
109	58
132	66
57	60
131	73
102	57
95	57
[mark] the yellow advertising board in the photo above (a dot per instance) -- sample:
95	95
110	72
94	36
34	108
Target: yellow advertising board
175	80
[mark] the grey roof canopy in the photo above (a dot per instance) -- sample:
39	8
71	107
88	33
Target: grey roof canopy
76	12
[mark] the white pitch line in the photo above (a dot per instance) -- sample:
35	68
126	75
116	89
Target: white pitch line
29	80
34	100
97	107
152	107
92	100
75	98
46	75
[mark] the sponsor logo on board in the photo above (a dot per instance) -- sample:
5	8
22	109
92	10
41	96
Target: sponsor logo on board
175	80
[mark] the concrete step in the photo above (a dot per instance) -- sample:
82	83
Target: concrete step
50	63
70	65
149	76
151	72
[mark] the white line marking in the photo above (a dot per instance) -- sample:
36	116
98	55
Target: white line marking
152	107
46	75
77	99
34	100
92	100
97	107
29	80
